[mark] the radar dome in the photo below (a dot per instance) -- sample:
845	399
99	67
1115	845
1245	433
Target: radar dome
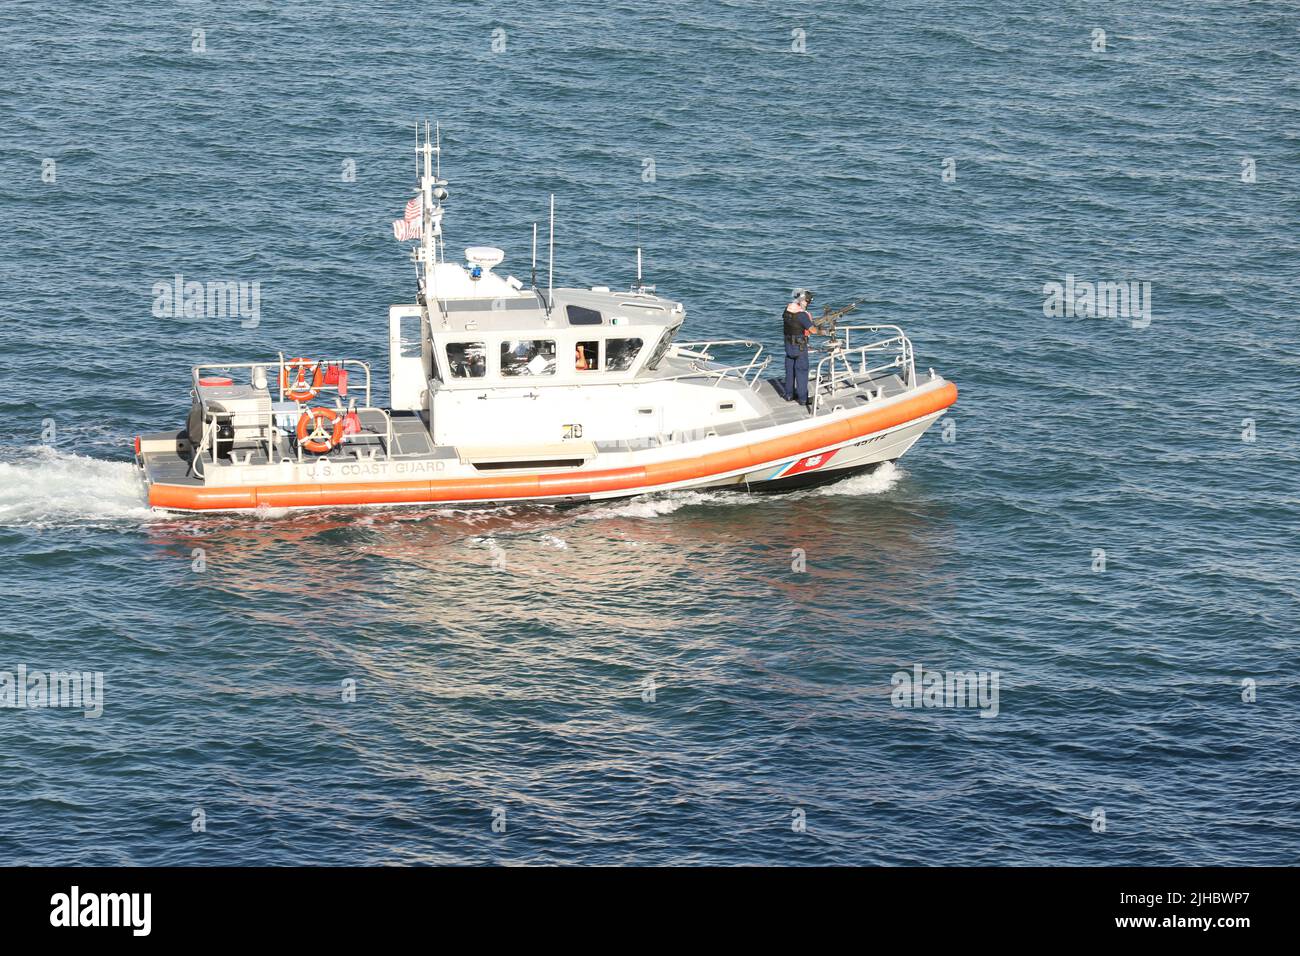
485	256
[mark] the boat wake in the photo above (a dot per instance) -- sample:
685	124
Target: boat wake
876	482
42	487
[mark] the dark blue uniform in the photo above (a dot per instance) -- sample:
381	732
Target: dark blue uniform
796	355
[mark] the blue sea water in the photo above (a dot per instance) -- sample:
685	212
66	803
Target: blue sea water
501	659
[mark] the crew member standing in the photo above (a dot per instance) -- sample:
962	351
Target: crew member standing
797	325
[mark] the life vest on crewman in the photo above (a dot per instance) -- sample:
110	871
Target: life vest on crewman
790	321
793	330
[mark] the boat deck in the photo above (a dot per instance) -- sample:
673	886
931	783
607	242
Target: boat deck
779	411
410	440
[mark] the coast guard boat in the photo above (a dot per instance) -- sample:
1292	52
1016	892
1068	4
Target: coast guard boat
502	392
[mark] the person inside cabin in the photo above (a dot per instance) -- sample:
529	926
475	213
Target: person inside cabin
797	326
580	358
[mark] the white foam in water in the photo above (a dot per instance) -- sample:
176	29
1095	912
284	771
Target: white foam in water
872	483
267	513
45	487
658	505
488	542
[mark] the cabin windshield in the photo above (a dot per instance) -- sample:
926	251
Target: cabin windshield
661	349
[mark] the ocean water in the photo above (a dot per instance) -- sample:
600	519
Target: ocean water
502	661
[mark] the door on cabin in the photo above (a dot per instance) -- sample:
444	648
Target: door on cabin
407	382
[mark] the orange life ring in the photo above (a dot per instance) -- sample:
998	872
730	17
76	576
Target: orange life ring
311	430
299	390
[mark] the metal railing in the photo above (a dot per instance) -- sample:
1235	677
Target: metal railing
258	377
846	367
279	367
705	363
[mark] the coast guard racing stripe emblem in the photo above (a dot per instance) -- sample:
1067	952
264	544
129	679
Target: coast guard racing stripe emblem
800	465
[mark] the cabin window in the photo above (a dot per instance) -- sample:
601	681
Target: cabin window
661	349
528	357
586	356
409	332
621	353
467	359
578	315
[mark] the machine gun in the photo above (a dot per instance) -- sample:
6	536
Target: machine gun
825	323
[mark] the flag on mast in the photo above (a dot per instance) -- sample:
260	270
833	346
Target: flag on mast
412	227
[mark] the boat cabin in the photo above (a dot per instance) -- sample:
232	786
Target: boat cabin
485	339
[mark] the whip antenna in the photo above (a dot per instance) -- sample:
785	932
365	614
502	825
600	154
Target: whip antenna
550	268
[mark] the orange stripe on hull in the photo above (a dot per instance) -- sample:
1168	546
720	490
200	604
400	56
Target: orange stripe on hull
501	487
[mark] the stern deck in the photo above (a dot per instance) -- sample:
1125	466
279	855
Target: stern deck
166	459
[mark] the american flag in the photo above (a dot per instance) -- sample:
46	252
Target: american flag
410	227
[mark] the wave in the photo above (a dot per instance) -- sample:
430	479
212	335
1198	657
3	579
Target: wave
42	487
661	504
875	482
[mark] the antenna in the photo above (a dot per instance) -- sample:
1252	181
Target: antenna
534	257
640	287
437	147
550	269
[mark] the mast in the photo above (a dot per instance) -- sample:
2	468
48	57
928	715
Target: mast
431	196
